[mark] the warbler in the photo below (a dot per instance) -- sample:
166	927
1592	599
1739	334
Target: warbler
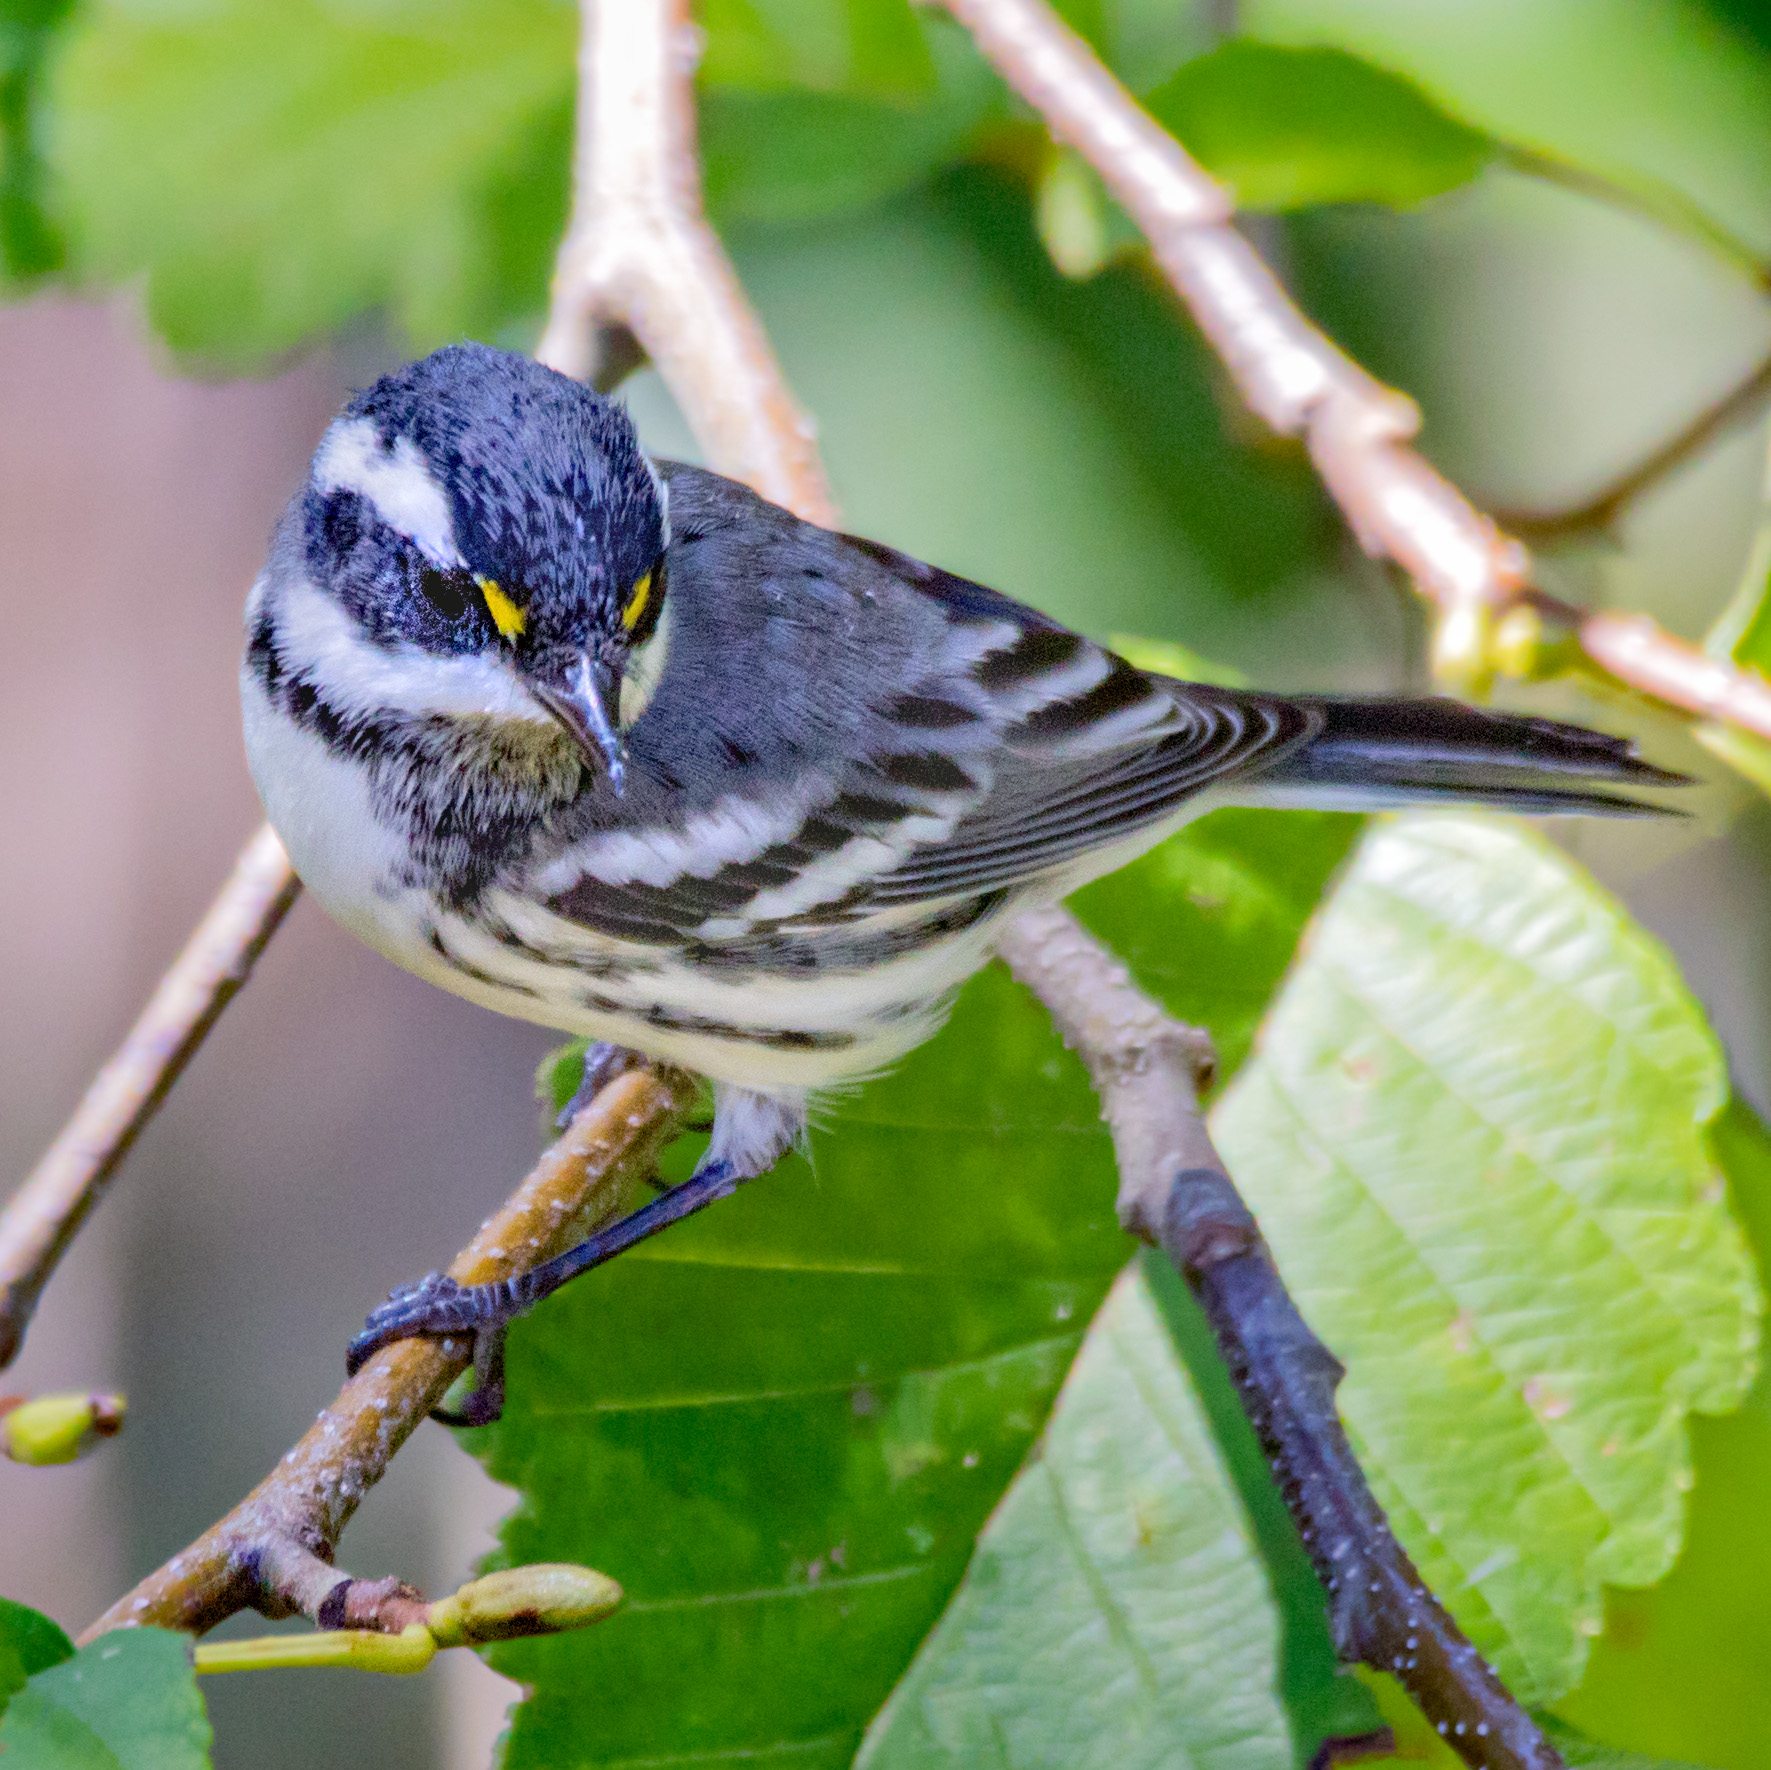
615	745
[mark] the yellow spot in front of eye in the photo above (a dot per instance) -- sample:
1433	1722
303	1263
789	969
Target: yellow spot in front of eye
506	616
636	603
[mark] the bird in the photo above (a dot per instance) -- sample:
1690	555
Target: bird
616	745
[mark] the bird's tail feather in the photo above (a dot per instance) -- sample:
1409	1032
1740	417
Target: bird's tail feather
1368	754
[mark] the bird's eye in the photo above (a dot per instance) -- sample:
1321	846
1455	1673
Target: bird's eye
446	592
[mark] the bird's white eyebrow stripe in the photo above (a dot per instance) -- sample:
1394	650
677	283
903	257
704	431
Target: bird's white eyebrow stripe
396	481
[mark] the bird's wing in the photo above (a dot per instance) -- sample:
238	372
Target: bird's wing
1086	749
841	729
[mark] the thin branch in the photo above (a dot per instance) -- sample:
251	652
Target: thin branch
1357	430
1665	205
1174	1192
273	1552
41	1219
1602	509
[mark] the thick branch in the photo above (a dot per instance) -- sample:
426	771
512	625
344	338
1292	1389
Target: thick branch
1356	430
41	1219
273	1552
639	253
1175	1193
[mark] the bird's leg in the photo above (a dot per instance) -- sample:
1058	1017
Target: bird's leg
436	1304
751	1131
603	1062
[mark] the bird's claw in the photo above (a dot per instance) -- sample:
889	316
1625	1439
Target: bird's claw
436	1304
483	1405
603	1062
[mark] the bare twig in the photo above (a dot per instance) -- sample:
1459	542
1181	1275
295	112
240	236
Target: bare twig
640	252
41	1219
1175	1193
1664	205
1357	430
273	1552
1602	509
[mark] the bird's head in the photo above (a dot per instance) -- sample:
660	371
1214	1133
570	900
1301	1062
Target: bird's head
486	540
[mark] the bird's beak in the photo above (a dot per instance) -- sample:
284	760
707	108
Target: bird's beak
581	704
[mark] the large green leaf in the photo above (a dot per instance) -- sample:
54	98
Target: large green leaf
1644	92
1475	1136
1286	128
127	1701
280	166
782	1426
1680	1668
1117	1613
1208	922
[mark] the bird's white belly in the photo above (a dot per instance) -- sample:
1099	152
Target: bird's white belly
569	977
320	807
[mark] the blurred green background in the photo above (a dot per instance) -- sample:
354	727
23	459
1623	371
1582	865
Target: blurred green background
302	194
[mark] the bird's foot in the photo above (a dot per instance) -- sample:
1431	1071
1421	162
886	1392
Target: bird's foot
603	1062
436	1304
483	1405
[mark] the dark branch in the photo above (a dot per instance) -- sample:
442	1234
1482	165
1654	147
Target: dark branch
1174	1192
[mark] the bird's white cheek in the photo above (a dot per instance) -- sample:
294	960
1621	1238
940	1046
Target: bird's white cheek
644	669
317	637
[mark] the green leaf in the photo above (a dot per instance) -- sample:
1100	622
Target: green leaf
1670	1671
1117	1612
278	167
794	155
1291	128
868	48
1165	658
782	1426
29	1643
31	243
1582	1753
1640	92
127	1701
1475	1136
